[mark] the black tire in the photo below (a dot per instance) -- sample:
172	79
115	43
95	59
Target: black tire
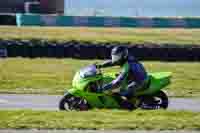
62	104
156	101
164	99
70	102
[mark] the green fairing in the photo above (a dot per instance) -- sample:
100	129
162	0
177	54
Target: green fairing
79	84
93	99
158	81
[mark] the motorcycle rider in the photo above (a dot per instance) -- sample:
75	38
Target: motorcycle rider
133	76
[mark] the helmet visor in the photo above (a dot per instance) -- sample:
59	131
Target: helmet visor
116	58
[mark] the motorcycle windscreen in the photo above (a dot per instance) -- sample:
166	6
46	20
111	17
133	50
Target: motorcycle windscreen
88	71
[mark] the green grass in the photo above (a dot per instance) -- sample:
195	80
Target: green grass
100	119
133	35
53	76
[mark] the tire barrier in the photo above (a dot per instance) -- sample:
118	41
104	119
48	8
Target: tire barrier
3	51
7	19
87	50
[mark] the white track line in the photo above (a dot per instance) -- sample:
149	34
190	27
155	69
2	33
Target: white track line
3	101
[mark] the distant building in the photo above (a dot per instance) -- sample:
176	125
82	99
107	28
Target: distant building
35	6
11	6
52	6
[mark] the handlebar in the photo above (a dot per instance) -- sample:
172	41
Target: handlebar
99	69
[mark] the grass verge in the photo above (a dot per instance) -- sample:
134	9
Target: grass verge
98	119
133	35
53	76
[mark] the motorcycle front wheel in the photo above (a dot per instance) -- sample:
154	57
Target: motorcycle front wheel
70	103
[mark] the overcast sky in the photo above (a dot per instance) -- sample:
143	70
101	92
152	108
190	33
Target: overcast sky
138	7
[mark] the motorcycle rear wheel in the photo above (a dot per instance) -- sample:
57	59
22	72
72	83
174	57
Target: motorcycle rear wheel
156	101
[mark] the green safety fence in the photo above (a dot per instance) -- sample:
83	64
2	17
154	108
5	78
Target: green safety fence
97	21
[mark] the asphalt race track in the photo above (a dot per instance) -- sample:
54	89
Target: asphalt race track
50	102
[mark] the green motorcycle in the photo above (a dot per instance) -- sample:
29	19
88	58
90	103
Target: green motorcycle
84	94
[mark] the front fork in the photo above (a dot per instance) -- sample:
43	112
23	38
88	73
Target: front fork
66	93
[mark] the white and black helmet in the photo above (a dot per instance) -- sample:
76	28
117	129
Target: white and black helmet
119	54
